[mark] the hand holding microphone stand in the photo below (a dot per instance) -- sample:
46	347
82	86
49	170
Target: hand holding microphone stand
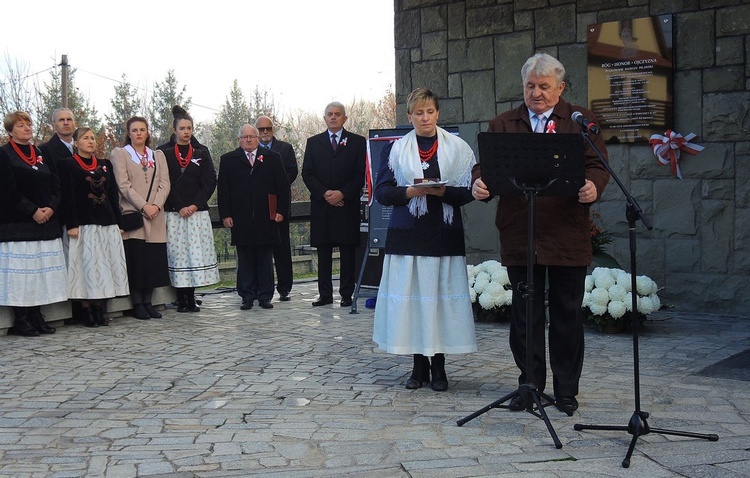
638	424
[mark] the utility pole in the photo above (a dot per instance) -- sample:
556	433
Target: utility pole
64	80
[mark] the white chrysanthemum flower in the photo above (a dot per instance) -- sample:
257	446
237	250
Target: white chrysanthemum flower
604	281
645	305
472	295
471	271
628	300
501	276
623	279
616	309
656	301
589	283
586	299
598	309
617	292
492	266
506	297
481	282
490	297
599	296
645	285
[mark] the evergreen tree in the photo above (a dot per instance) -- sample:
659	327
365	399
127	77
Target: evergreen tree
233	114
50	99
126	104
166	95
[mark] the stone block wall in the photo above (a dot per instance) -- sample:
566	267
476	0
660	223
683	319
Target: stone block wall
470	53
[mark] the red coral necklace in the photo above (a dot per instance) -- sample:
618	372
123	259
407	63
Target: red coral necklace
186	160
31	159
84	166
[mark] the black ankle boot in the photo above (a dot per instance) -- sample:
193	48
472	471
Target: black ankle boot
140	312
87	317
153	313
99	318
439	379
420	374
37	320
191	303
22	325
182	300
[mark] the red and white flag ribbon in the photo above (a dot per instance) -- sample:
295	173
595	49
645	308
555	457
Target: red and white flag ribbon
667	148
551	125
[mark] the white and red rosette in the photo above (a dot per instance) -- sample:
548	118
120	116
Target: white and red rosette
551	125
667	148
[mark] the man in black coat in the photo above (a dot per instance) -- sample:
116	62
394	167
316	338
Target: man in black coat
252	196
334	172
60	145
282	252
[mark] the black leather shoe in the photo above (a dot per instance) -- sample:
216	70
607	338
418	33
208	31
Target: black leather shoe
140	312
246	305
37	320
567	405
266	304
153	313
346	302
323	301
284	297
517	404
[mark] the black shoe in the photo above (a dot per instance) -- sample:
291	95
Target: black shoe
266	304
246	305
346	302
22	326
323	301
87	317
140	312
284	297
99	318
517	404
420	374
37	320
437	368
153	313
567	405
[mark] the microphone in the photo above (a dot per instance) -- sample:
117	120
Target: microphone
578	117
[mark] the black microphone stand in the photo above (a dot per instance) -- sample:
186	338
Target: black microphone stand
528	391
638	425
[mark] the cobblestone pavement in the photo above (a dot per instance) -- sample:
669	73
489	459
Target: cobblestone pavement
299	391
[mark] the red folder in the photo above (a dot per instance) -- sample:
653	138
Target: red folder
272	206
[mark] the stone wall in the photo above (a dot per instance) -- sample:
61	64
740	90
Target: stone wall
470	54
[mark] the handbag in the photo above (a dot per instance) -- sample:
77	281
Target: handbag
130	221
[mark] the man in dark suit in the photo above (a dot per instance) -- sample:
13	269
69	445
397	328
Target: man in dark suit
252	189
334	172
60	145
563	243
282	252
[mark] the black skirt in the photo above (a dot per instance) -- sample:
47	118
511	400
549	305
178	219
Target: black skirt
147	264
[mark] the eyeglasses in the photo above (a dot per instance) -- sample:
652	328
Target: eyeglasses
263	129
248	137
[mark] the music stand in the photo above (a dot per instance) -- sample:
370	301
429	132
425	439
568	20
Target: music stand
530	165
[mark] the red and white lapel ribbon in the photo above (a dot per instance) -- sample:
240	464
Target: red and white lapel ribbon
551	126
667	148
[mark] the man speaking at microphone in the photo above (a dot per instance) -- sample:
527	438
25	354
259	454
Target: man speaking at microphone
563	240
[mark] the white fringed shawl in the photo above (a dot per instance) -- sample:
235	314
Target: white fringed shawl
454	156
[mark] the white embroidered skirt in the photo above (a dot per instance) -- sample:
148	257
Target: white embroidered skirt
32	273
423	306
190	250
96	263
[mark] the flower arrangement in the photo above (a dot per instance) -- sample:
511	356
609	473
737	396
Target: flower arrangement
608	299
490	291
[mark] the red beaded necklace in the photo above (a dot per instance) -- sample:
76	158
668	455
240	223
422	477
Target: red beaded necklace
30	160
186	160
427	155
84	166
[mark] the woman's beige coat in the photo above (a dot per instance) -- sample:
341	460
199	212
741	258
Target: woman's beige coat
134	183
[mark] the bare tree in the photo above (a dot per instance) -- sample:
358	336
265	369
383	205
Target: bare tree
15	93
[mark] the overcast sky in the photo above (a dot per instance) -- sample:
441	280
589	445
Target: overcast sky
306	52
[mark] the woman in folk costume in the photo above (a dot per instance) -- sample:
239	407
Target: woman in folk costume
143	180
96	258
32	262
190	245
423	305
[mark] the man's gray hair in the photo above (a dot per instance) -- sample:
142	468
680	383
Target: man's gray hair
543	64
239	132
60	110
335	104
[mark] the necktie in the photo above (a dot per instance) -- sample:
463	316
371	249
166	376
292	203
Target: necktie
334	144
540	120
251	156
266	145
